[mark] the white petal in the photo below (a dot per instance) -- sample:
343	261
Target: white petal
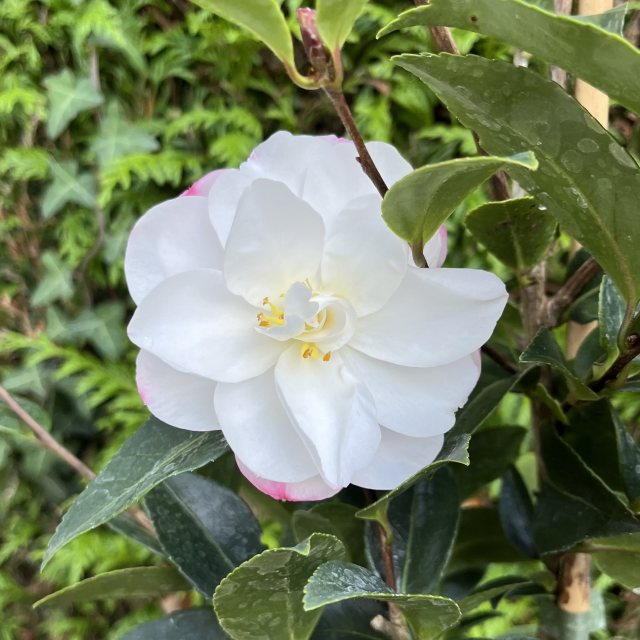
193	323
333	410
276	240
435	251
417	402
397	459
436	316
180	399
202	186
312	489
172	237
259	431
363	260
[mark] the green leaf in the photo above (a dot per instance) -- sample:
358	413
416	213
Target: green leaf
518	232
542	33
262	598
335	19
263	18
629	459
544	349
618	557
154	453
101	326
55	284
416	206
134	582
611	20
191	624
118	138
68	96
67	186
205	529
574	503
516	513
489	591
585	179
349	620
491	451
611	310
453	450
335	581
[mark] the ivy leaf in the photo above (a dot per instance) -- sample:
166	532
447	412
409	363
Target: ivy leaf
335	19
335	581
263	18
152	454
55	284
186	514
67	186
190	624
262	598
68	96
134	582
585	179
118	138
544	34
416	206
102	327
518	232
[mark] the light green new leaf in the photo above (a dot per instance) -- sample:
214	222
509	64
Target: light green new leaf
561	40
262	598
518	232
335	581
118	138
618	557
55	284
335	20
134	582
67	186
68	96
416	206
263	18
152	454
585	179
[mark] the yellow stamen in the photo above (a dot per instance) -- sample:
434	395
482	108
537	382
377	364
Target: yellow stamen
310	350
326	357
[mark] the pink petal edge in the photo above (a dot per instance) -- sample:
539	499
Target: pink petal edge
202	186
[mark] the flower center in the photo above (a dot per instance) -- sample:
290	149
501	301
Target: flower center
323	323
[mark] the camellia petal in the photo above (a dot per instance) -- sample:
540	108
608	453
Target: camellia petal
363	261
260	432
314	488
435	251
180	399
333	410
398	457
192	322
436	316
202	186
276	239
172	237
417	402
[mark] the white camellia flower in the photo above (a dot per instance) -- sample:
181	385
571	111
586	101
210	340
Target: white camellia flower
275	304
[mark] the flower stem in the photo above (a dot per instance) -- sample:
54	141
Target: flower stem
364	158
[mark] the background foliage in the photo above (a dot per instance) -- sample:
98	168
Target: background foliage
107	107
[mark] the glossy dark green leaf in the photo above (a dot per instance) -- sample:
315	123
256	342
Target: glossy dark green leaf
154	453
585	179
516	513
68	96
428	616
574	503
335	20
491	451
416	206
628	458
262	598
135	582
205	529
544	349
542	33
518	232
263	18
127	526
611	310
190	624
349	620
618	557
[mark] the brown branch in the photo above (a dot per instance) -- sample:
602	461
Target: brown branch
499	359
620	364
364	158
569	291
